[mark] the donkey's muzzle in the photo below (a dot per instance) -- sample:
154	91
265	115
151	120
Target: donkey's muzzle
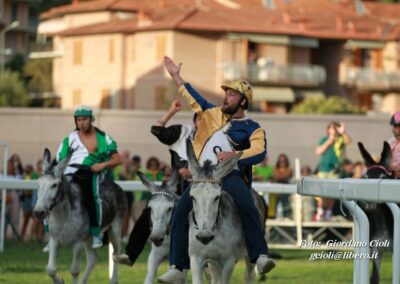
40	214
204	238
157	241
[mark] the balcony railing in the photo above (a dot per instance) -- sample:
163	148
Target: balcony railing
370	79
291	74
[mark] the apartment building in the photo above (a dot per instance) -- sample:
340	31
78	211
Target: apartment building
18	39
108	54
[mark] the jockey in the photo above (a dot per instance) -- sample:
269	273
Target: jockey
223	133
175	137
91	147
394	143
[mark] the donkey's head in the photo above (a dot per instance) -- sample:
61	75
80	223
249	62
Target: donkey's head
161	205
381	169
50	185
206	193
376	170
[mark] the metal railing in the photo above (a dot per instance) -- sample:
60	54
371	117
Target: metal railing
290	74
368	78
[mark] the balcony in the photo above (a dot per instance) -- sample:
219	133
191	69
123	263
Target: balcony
370	79
303	75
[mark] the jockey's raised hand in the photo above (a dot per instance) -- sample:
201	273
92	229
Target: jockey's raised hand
173	70
176	106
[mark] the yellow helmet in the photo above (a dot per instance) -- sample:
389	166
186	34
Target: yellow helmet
241	86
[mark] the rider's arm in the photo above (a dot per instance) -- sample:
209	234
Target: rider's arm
257	151
195	100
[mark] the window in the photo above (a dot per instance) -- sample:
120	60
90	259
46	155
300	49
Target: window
111	51
77	56
161	46
76	97
33	18
14	12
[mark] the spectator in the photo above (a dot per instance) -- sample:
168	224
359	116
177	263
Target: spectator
346	169
358	170
37	226
124	172
15	170
137	205
331	150
265	172
26	200
282	174
308	202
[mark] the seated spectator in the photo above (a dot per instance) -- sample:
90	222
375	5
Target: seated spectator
282	174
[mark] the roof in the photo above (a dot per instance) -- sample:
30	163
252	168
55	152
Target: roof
322	19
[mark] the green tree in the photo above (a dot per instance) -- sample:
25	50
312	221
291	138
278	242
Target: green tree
12	90
38	74
330	105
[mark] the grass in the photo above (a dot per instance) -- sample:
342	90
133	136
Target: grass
23	263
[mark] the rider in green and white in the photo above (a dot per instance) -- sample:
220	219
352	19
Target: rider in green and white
91	147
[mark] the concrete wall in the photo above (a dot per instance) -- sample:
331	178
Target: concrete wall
29	131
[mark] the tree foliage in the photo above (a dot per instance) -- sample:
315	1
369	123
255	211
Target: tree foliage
331	105
12	90
38	73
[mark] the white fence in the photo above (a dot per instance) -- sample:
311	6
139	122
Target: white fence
349	190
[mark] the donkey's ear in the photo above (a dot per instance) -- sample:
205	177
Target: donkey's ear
226	167
173	180
194	166
146	182
386	156
46	159
61	166
366	156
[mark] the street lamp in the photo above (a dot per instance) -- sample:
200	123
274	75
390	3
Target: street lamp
7	28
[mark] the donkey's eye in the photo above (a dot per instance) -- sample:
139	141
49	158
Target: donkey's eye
54	185
169	209
216	199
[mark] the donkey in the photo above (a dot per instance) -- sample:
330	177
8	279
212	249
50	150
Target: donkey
215	233
379	215
61	201
161	204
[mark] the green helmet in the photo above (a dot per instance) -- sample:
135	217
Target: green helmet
84	111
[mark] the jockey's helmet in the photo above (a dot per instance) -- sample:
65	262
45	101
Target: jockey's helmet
243	87
395	119
84	111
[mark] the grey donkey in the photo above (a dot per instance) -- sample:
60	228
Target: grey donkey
61	201
215	234
379	215
161	204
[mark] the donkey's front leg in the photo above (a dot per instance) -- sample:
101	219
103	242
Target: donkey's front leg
90	260
52	264
227	269
156	256
76	257
248	275
196	264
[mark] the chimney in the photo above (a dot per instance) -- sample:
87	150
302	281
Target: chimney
287	19
144	18
339	23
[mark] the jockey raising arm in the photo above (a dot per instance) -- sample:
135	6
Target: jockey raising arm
223	133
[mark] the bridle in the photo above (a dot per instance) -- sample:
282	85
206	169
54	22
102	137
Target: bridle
386	171
171	196
212	181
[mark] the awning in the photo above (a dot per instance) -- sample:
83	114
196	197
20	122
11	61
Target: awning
366	44
276	39
302	94
271	94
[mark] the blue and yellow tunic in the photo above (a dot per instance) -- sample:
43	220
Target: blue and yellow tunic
243	134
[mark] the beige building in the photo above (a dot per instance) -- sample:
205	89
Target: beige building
108	54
